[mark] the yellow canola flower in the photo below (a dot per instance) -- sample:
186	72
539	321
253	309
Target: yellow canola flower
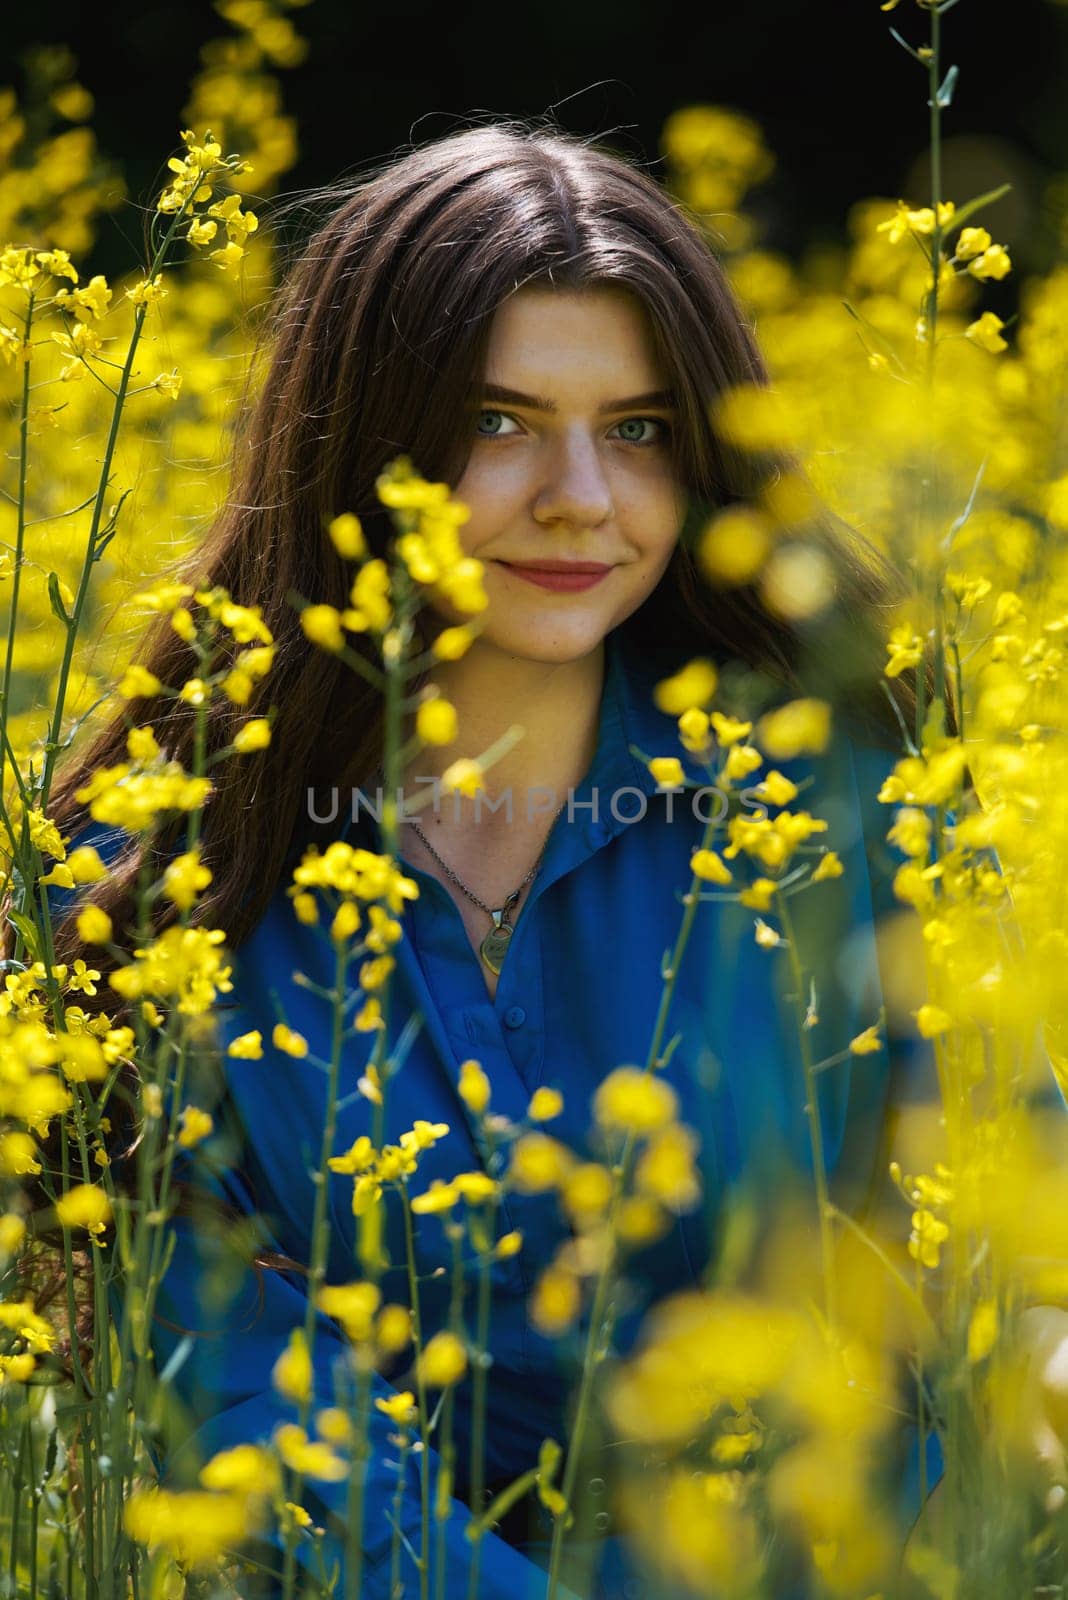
183	879
196	1126
252	735
322	625
21	1320
982	1331
17	1369
799	728
369	599
474	1087
133	800
927	1237
443	1361
867	1042
399	1408
439	1197
775	789
729	730
475	1187
18	1154
693	730
829	865
742	759
538	1163
904	649
393	1330
244	1469
932	1020
667	1169
972	242
137	682
358	1158
586	1192
632	1100
690	689
288	1040
710	867
436	721
464	775
735	545
922	221
347	536
667	770
184	962
353	1305
986	333
310	1457
148	292
333	1425
292	1371
94	925
545	1104
452	643
756	418
196	1527
12	1233
247	1046
993	263
556	1301
85	1206
759	894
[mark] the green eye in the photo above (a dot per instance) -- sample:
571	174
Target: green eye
645	422
491	433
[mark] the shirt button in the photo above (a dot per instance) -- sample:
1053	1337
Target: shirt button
514	1017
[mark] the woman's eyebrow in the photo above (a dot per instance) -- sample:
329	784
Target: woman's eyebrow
655	399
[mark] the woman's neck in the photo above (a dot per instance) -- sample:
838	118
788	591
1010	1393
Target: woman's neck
557	705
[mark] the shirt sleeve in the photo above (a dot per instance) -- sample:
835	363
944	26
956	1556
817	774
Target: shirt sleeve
222	1378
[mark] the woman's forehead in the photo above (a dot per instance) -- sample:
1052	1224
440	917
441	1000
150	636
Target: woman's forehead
544	336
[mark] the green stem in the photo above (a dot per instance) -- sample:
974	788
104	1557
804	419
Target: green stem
319	1233
52	746
812	1113
20	525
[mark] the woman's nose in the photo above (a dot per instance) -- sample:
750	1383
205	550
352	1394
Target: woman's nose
575	488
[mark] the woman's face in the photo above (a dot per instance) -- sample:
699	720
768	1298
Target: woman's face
571	461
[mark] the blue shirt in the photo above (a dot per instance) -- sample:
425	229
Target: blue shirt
578	995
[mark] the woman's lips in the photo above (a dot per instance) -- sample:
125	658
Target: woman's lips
563	578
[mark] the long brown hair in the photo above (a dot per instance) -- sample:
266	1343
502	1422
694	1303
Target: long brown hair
373	346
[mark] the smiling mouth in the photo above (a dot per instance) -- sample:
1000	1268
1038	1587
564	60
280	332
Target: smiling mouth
591	568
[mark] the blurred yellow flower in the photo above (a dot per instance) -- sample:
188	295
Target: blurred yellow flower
474	1087
85	1206
436	721
545	1104
443	1361
247	1046
292	1371
691	688
288	1040
631	1100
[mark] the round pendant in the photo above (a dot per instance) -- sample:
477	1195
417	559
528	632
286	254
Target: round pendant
494	947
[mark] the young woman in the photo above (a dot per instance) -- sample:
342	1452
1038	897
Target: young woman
537	324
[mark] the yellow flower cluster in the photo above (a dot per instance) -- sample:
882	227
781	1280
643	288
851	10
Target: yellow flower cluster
195	176
393	1164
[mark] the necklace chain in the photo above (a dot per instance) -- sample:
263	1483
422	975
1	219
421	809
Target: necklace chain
495	944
